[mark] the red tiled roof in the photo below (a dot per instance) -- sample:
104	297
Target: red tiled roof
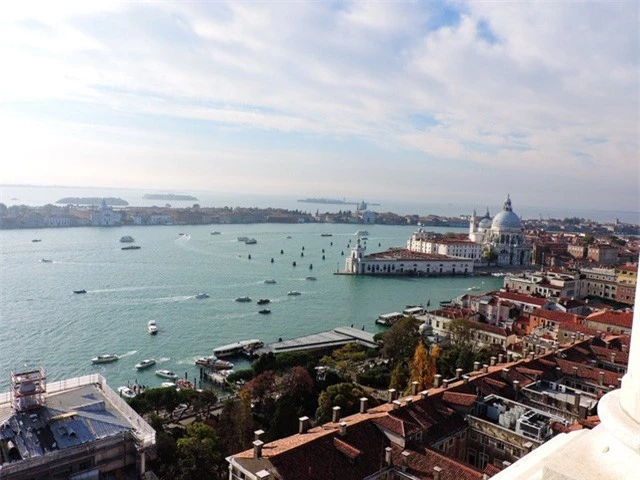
344	447
602	352
615	318
588	372
557	316
420	464
522	298
488	328
458	398
408	255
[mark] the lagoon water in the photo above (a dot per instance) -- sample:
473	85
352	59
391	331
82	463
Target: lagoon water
43	323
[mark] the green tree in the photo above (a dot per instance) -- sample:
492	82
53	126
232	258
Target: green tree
400	340
399	376
489	254
460	331
199	452
344	395
235	427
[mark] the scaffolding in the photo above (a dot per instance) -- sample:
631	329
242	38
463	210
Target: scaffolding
28	389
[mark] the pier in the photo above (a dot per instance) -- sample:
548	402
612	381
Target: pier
317	341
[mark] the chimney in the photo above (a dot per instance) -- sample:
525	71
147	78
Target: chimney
476	366
387	456
409	400
436	472
396	404
364	402
336	415
492	361
516	385
392	395
532	356
505	464
437	380
613	357
600	378
505	373
465	379
445	383
405	460
258	434
509	358
343	428
458	373
414	388
485	368
575	370
263	475
576	399
303	424
257	448
425	393
528	447
500	358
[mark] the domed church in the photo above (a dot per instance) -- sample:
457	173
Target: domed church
504	236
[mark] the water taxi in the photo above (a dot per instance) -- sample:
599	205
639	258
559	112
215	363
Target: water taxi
146	363
202	296
152	327
270	281
263	301
166	374
294	293
243	299
104	358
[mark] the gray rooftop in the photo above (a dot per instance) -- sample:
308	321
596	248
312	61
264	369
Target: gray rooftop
336	337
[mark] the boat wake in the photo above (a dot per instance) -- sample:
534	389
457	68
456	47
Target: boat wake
164	359
130	353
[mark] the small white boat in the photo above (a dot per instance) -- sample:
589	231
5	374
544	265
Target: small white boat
311	278
152	327
243	299
146	363
242	239
104	358
126	392
168	385
270	281
361	233
250	241
213	362
471	289
127	239
202	296
294	293
166	374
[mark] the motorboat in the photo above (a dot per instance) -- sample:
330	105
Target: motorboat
243	299
146	363
311	278
270	281
104	358
126	392
361	233
326	234
152	327
470	289
36	240
202	296
131	247
250	241
166	374
80	291
263	301
126	239
264	311
289	236
294	293
242	239
168	385
46	260
216	233
214	362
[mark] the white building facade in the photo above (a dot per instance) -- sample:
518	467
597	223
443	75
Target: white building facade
425	242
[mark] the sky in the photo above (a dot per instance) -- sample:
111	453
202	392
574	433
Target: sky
446	101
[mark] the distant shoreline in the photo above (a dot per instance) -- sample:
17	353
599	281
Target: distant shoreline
116	202
169	196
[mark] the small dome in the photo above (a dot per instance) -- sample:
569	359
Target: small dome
485	223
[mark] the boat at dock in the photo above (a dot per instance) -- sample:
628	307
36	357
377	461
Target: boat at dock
146	363
213	362
104	358
245	347
243	299
166	374
126	392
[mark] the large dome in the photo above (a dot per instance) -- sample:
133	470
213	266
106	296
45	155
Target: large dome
506	219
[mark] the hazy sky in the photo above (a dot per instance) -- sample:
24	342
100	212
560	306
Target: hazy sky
443	101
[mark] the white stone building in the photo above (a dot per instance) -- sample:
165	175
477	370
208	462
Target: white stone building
106	216
425	242
505	236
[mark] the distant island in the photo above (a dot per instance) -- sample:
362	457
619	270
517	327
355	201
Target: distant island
169	196
330	201
116	202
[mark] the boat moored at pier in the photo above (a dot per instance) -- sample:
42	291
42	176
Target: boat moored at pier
245	347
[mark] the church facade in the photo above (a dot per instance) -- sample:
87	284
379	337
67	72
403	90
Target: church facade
502	238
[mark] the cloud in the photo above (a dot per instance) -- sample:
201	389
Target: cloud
441	89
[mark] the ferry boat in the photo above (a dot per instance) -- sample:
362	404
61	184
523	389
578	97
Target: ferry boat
126	239
126	392
243	299
104	358
166	374
146	363
131	247
152	327
245	346
202	296
294	293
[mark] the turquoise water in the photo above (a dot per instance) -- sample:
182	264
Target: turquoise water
43	323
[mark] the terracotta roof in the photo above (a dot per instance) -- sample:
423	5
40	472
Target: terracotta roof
420	464
491	469
408	255
488	328
588	372
602	352
522	298
557	316
461	399
348	450
615	318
